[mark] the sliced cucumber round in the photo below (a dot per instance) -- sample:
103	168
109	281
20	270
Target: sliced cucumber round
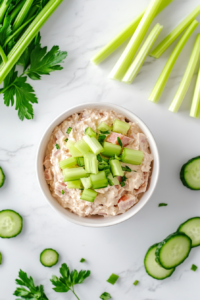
2	177
49	257
190	174
11	223
0	258
192	229
153	268
173	250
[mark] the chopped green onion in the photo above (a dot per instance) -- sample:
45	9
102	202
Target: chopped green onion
105	132
66	140
80	161
94	145
76	184
119	142
74	174
82	260
57	146
104	127
123	36
136	282
67	163
126	169
101	138
162	204
194	268
123	181
112	180
111	149
195	108
142	54
161	83
89	131
120	126
88	195
103	166
102	158
164	45
105	296
72	149
62	192
133	157
87	183
113	279
82	146
116	168
99	180
91	163
22	14
124	61
187	78
69	130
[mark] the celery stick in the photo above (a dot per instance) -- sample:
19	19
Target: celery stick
74	174
112	180
99	180
27	37
120	126
133	157
16	10
195	108
86	182
111	149
187	78
123	36
94	145
104	127
67	163
80	161
116	167
72	149
76	184
88	195
160	85
162	47
91	163
124	61
141	56
3	55
90	132
82	146
3	8
22	14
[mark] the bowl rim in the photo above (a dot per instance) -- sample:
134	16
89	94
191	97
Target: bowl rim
113	220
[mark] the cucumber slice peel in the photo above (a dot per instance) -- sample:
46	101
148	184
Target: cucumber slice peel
11	223
192	229
190	174
2	177
49	257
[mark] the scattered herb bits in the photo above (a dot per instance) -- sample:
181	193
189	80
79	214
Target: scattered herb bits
57	146
113	279
126	169
135	282
62	192
69	130
105	296
119	141
82	260
194	268
162	204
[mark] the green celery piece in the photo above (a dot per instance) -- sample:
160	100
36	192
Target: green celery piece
104	127
89	131
99	180
80	161
88	195
161	83
16	10
91	163
94	145
120	126
22	14
67	163
123	36
125	59
72	149
74	174
187	78
76	184
116	167
82	146
195	107
86	182
141	56
111	149
113	180
164	45
3	55
27	37
3	8
133	157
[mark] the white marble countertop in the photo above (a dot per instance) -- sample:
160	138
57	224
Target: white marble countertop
82	28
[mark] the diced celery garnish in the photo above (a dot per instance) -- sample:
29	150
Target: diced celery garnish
74	174
88	195
80	161
82	146
195	108
116	167
112	180
111	149
67	163
86	182
104	127
89	131
91	163
164	76
76	184
72	149
99	180
133	157
120	126
187	78
94	145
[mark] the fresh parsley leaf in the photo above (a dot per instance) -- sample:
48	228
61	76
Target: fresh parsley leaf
69	130
66	140
105	296
194	268
135	282
119	141
68	279
28	290
101	138
99	158
43	62
62	192
123	181
126	169
57	146
162	204
105	132
107	171
82	260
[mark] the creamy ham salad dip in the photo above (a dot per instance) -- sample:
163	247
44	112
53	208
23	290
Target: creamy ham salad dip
112	200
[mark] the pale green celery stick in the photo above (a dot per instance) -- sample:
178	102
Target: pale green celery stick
125	59
3	7
141	56
3	55
164	76
187	78
22	14
16	10
162	47
123	35
195	108
27	37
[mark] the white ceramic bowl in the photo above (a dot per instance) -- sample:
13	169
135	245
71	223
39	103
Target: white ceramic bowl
96	221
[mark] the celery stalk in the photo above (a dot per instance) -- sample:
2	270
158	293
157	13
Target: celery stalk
3	55
116	167
16	10
123	36
86	182
124	61
3	8
22	14
195	108
160	85
140	58
121	126
88	195
187	78
27	37
74	174
67	163
162	47
76	184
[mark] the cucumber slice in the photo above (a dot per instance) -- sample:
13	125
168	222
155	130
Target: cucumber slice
49	257
190	174
153	268
192	229
172	251
0	258
2	177
11	223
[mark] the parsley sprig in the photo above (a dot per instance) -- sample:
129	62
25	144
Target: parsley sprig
68	280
